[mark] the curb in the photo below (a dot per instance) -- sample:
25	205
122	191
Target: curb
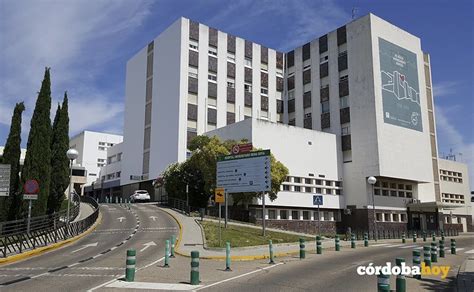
41	250
178	241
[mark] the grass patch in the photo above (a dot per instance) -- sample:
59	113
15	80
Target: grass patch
240	236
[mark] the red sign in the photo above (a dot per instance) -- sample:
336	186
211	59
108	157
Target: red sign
242	148
31	186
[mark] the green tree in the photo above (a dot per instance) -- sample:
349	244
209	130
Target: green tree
38	155
59	160
10	206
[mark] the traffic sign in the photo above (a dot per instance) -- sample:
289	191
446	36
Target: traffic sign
219	195
5	180
317	200
30	196
31	186
242	148
242	173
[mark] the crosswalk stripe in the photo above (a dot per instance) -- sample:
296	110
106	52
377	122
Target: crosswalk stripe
470	251
409	246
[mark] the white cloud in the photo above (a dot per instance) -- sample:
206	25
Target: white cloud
75	39
445	88
450	138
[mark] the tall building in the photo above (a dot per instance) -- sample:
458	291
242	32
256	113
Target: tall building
368	83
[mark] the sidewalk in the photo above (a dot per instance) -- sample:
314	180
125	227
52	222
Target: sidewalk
84	211
465	279
192	238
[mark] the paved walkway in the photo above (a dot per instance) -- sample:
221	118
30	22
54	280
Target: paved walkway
465	280
192	239
85	210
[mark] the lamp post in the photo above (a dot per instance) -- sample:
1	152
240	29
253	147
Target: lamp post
372	180
71	154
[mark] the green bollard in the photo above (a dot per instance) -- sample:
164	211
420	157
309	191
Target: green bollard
366	239
417	261
434	252
353	244
319	247
270	246
130	265
336	241
302	251
173	241
227	256
167	254
383	283
401	282
414	236
403	237
195	268
433	236
442	235
453	246
441	248
424	235
426	256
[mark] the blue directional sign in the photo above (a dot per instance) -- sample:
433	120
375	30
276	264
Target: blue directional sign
317	200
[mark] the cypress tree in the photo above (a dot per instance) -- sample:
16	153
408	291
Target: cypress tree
59	160
38	155
10	206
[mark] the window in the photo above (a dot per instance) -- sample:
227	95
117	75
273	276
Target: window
316	215
319	191
325	106
230	83
308	189
344	101
279	72
305	215
101	148
118	173
264	67
264	91
327	216
119	156
230	57
102	143
329	183
248	62
307	181
384	192
393	193
248	87
283	214
286	187
297	189
319	182
271	214
328	192
193	72
387	217
92	174
346	130
396	217
193	45
295	215
291	94
212	77
212	51
377	192
100	160
378	216
323	59
297	180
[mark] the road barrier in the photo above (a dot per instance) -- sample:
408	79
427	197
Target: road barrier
130	265
426	255
167	254
434	236
353	244
424	235
403	237
417	261
194	268
336	242
366	239
453	246
441	248
434	252
270	247
401	282
442	235
173	242
319	247
227	256
302	249
383	283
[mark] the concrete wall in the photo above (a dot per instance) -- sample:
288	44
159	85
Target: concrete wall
452	187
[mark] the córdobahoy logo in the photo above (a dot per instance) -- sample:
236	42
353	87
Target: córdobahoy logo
403	269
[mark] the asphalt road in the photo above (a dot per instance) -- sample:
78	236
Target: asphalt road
99	256
336	271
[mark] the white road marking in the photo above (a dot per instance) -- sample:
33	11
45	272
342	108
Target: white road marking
75	264
410	246
147	245
239	276
395	245
86	246
40	275
152	286
121	219
380	244
101	285
153	217
151	264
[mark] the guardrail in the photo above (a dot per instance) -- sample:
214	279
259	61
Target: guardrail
51	230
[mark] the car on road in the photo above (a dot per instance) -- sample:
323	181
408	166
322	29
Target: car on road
140	196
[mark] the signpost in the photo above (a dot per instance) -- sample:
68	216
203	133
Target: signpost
242	148
5	180
219	198
245	173
31	189
318	200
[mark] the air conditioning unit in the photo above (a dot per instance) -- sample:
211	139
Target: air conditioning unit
347	211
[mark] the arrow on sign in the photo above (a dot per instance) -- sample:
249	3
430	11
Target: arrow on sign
121	219
153	217
147	245
86	246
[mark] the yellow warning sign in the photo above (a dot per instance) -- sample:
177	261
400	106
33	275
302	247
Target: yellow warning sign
219	195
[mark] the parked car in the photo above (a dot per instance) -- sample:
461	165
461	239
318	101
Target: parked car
140	196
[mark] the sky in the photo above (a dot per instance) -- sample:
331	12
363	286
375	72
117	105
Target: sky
88	42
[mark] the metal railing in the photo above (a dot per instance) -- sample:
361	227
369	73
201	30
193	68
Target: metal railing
397	234
47	230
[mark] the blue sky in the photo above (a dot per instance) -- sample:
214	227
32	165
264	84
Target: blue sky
88	42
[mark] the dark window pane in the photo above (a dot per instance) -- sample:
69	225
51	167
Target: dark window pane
192	112
325	121
341	35
230	118
212	64
307	99
344	87
264	79
291	106
191	135
342	61
248	74
345	115
292	123
264	54
290	59
279	84
291	83
231	43
212	89
230	69
213	37
193	58
346	142
192	85
279	60
151	46
248	99
324	92
230	95
212	116
306	51
248	49
323	70
193	30
279	106
323	44
307	76
264	103
308	123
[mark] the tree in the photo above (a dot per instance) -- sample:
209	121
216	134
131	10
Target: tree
37	163
59	160
10	206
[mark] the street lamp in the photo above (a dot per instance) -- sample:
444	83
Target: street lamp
372	180
71	154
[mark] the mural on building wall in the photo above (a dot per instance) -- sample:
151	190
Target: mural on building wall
400	88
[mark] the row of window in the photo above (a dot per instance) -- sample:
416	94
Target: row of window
391	217
453	198
114	158
112	175
451	179
450	173
312	190
393	193
312	181
392	185
282	214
